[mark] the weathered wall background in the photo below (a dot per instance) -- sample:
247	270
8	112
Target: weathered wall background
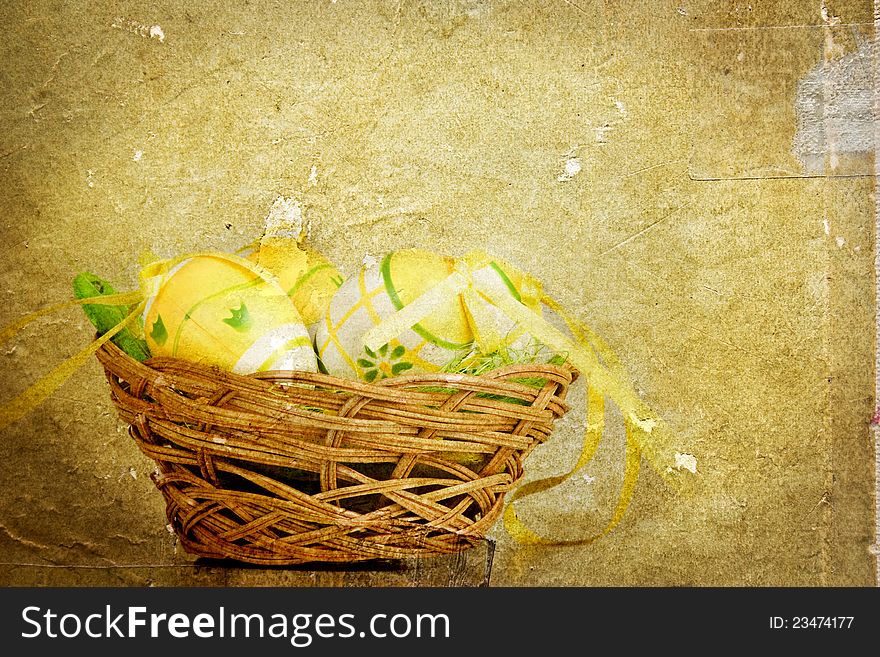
662	167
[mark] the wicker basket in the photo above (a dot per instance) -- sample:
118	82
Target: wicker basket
292	467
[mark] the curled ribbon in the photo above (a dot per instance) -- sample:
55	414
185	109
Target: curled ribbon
646	434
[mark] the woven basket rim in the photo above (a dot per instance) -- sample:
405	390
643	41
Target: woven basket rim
409	466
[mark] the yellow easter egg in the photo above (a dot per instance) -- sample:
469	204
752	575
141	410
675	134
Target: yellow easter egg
380	290
224	311
308	278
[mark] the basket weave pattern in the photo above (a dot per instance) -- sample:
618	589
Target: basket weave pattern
292	467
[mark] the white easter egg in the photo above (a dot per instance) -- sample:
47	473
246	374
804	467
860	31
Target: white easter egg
379	290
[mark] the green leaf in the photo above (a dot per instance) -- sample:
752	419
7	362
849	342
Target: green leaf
370	375
336	280
106	317
370	352
159	333
366	364
399	351
240	319
383	350
397	368
134	347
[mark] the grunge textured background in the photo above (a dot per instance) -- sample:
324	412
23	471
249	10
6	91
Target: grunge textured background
695	180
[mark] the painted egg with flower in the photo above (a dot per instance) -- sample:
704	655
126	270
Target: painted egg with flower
445	335
218	309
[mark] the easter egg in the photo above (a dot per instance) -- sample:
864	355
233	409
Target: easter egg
225	311
308	278
379	290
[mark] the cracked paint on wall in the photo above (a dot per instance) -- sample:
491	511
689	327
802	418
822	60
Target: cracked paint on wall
835	107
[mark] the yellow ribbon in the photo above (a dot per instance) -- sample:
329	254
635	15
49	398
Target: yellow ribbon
607	378
593	435
595	429
24	402
150	278
123	298
646	434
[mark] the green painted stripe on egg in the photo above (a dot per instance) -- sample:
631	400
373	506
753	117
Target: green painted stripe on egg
510	286
302	279
188	316
299	341
385	269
